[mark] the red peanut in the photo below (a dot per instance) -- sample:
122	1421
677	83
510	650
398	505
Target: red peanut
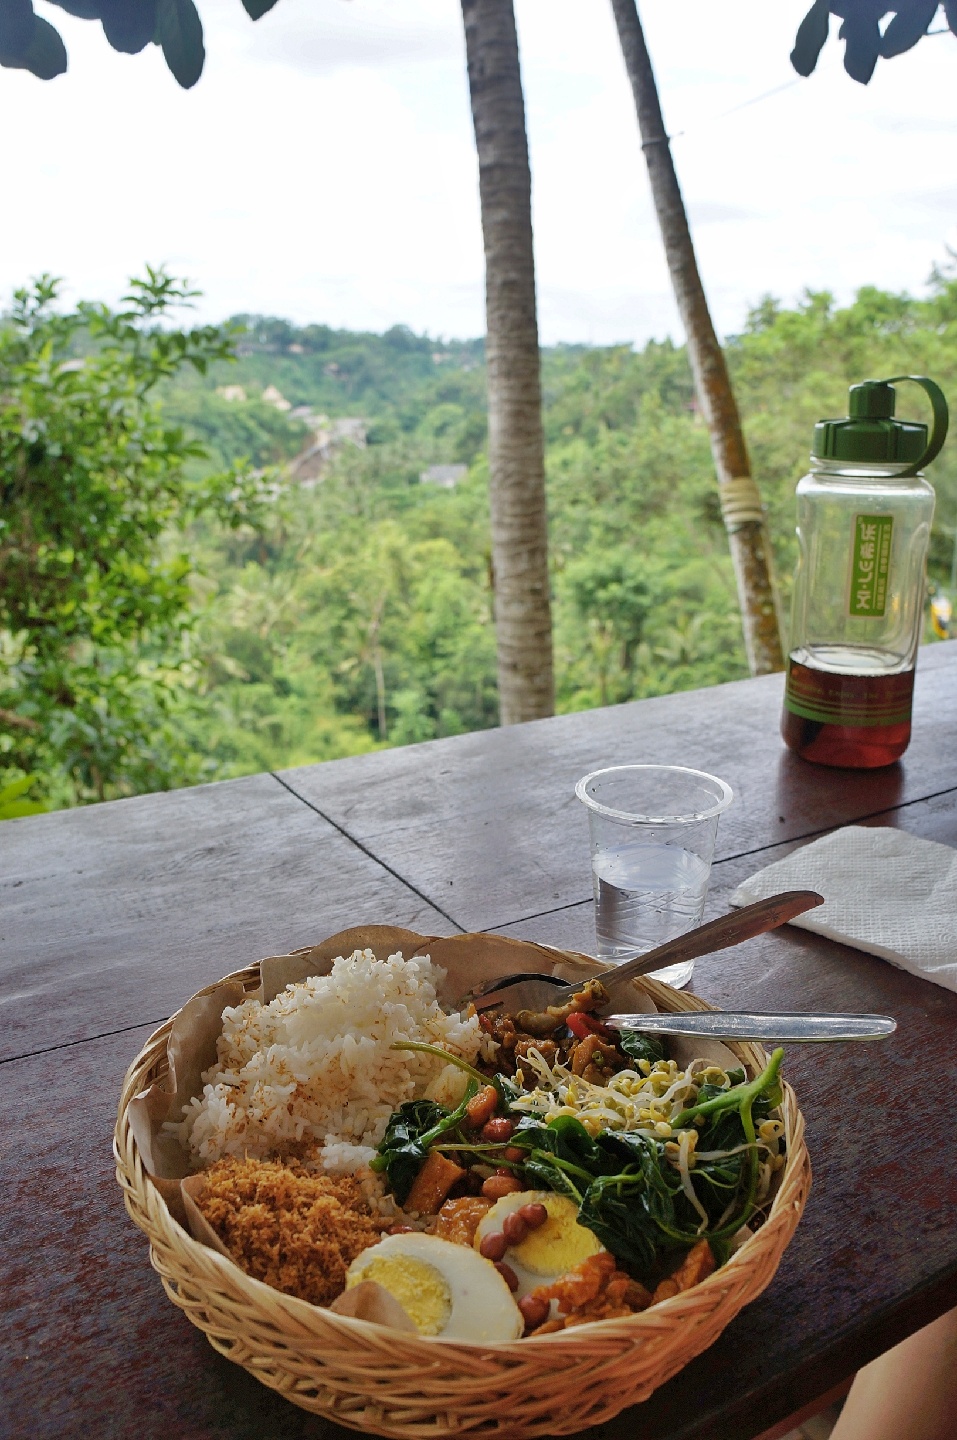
482	1106
534	1215
513	1153
493	1245
534	1310
509	1276
497	1130
498	1185
514	1228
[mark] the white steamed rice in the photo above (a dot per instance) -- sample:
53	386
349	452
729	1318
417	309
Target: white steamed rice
316	1063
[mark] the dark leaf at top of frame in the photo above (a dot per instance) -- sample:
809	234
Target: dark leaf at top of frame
862	46
811	37
908	25
256	9
129	25
861	31
17	24
44	57
82	9
179	31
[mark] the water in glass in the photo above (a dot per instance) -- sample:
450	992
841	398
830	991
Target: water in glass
646	894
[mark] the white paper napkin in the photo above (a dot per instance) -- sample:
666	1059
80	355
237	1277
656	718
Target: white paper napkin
885	892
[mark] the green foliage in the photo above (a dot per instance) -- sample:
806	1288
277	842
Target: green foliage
94	590
865	41
361	613
645	598
13	801
229	431
129	25
349	621
179	31
255	9
263	624
29	43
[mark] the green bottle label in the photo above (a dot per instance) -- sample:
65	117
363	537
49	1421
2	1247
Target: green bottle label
870	564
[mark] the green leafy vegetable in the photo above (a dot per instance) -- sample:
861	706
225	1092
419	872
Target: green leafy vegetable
508	1090
401	1153
632	1211
411	1132
627	1188
640	1046
740	1097
560	1156
631	1195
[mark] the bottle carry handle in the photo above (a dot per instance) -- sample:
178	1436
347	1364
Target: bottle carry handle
941	419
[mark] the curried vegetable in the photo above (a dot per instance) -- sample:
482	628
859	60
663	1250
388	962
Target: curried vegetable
411	1131
433	1182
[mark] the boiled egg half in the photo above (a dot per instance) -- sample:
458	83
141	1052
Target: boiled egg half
549	1251
446	1290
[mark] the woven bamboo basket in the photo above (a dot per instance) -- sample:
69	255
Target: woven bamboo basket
385	1382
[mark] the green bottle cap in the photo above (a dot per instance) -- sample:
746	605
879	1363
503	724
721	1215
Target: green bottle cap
869	433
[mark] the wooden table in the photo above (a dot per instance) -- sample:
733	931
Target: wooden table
114	914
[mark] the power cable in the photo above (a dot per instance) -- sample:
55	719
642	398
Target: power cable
744	105
765	95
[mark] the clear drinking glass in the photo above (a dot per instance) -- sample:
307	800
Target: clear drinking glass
652	830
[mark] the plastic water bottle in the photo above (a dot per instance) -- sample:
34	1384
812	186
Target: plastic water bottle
864	517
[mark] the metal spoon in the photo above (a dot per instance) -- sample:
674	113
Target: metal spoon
535	992
789	1028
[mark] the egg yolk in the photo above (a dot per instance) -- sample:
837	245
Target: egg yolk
419	1288
558	1245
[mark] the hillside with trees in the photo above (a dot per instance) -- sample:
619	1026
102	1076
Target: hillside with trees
351	609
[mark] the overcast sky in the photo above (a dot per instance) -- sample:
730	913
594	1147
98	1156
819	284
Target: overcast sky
323	168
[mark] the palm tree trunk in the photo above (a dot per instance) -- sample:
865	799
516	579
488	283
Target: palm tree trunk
515	441
741	506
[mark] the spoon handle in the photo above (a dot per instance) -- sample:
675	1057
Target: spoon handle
733	1025
719	934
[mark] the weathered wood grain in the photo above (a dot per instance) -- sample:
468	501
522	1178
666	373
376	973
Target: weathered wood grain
488	827
136	904
115	914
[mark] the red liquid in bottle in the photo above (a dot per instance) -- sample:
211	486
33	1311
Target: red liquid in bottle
834	718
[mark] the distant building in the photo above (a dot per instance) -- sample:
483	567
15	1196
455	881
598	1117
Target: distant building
308	416
327	437
445	476
349	428
231	392
275	397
